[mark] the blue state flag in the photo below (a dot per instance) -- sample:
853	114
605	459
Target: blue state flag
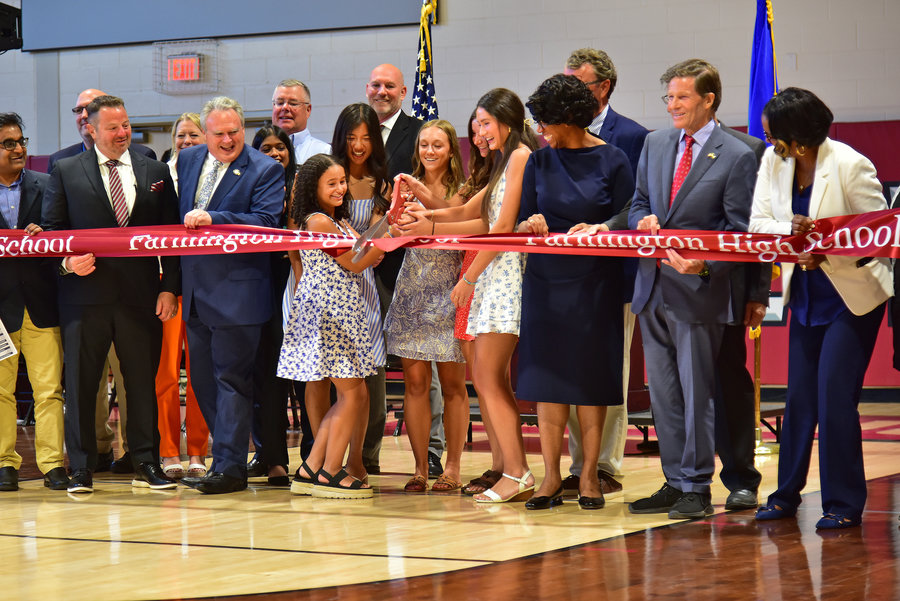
424	103
763	68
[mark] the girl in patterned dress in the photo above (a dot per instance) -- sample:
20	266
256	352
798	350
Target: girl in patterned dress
419	323
327	340
358	146
496	305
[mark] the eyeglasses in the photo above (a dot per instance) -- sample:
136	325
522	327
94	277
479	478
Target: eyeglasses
10	144
669	98
78	109
593	83
291	103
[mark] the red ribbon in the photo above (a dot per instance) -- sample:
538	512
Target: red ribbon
874	234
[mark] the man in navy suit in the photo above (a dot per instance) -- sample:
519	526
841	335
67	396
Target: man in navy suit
29	313
226	298
597	71
690	177
119	300
81	122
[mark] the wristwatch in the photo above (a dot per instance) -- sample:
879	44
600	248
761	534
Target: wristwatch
704	273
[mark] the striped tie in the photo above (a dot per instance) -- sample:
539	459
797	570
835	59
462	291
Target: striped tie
117	193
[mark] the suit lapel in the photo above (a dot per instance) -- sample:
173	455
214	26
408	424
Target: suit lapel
235	171
820	183
609	125
190	164
703	159
92	173
666	172
26	199
396	134
142	187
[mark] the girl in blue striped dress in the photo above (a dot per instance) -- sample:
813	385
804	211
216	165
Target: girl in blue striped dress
358	146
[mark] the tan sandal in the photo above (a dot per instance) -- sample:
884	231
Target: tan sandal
445	483
483	482
416	484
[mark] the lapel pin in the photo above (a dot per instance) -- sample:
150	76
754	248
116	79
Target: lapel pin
711	155
237	171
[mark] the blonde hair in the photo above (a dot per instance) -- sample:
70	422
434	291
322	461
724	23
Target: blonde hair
193	118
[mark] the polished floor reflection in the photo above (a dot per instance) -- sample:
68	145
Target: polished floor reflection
124	543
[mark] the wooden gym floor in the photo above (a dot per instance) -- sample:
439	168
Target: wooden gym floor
127	544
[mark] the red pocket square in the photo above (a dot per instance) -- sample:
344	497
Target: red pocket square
156	186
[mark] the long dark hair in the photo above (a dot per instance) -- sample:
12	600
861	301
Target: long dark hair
290	171
479	166
306	185
504	106
350	118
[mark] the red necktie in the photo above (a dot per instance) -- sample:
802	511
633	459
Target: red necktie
684	167
120	207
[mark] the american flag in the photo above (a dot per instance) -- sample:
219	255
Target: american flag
424	104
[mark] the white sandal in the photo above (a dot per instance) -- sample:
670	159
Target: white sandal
174	471
196	470
524	491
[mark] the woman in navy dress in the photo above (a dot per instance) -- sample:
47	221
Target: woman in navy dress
570	343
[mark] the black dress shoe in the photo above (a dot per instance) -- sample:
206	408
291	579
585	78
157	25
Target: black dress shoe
9	478
741	498
81	481
434	465
257	469
192	481
570	486
591	502
56	479
122	465
374	469
215	483
691	505
150	475
544	502
104	461
659	502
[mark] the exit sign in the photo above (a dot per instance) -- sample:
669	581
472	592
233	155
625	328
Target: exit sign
183	67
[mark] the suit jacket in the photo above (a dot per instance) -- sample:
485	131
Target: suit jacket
76	149
401	144
845	184
232	289
628	135
750	282
28	283
714	196
76	199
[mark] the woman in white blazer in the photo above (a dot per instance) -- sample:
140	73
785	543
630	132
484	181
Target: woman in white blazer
837	304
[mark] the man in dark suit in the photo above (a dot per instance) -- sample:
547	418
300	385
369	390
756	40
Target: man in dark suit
735	402
693	177
112	300
81	122
385	92
29	313
597	71
104	432
226	298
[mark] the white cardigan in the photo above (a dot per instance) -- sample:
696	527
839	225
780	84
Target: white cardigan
845	184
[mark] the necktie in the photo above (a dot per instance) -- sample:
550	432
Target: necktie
206	190
684	167
120	207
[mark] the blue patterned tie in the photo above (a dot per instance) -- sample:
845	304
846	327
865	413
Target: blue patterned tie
206	191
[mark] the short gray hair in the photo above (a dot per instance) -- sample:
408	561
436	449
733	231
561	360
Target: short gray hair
293	83
221	103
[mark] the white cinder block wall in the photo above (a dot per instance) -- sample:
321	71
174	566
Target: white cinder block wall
848	52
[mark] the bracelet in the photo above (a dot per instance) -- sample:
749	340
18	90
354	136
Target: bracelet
704	273
432	227
431	215
467	281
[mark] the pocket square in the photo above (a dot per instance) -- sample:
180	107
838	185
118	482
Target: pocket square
156	186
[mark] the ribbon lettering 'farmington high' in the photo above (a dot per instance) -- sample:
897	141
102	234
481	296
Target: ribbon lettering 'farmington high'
875	234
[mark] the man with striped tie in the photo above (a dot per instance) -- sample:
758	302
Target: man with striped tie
112	300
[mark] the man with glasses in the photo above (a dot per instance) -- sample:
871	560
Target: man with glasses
81	120
291	107
597	71
29	312
692	176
